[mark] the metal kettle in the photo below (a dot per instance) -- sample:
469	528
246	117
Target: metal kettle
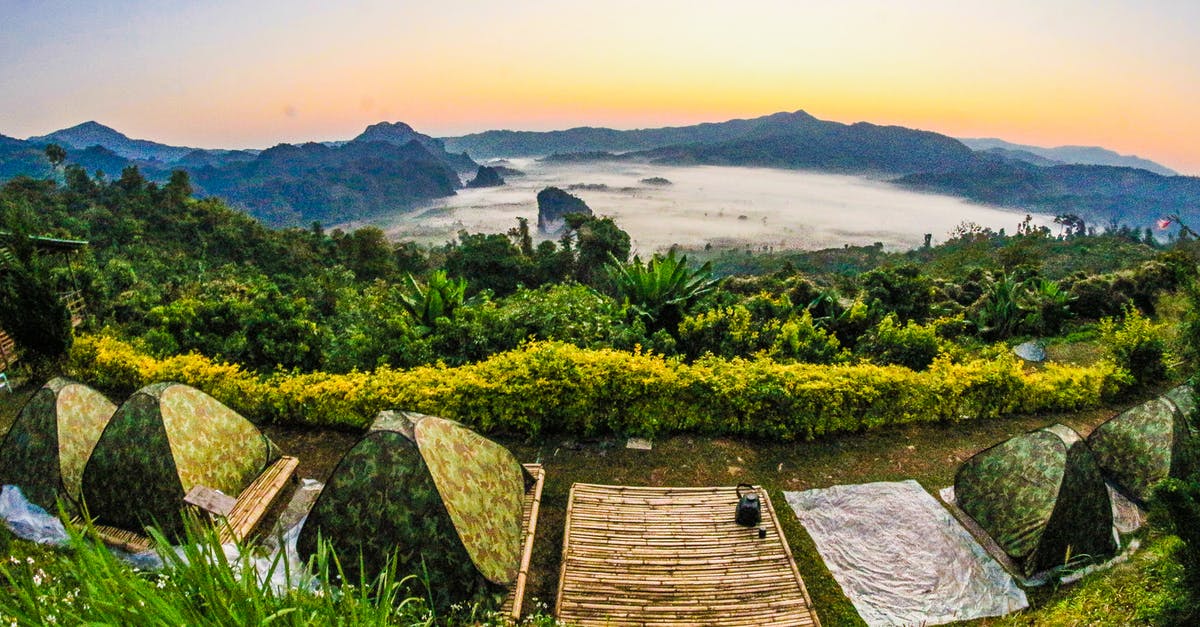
749	508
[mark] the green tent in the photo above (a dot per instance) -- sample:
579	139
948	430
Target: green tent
441	498
163	441
1185	399
1041	497
1142	446
50	441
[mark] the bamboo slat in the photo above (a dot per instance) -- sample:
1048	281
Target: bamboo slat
529	516
252	504
675	556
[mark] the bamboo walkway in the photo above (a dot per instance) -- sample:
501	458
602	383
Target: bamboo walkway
675	556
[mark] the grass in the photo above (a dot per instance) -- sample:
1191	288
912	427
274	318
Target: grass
1144	590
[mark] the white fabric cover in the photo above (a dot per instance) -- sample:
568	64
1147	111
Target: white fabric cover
901	558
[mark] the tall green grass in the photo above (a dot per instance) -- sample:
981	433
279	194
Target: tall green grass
201	585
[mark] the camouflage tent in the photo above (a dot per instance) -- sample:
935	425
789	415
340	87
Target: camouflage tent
441	498
1041	497
50	441
1142	446
1185	399
163	441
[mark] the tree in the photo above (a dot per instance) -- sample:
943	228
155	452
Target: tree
489	262
179	188
56	155
30	310
597	241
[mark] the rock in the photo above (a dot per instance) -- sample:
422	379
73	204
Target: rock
655	180
486	177
553	206
1031	351
504	170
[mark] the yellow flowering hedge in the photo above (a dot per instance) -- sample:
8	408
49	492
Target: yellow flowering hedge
553	387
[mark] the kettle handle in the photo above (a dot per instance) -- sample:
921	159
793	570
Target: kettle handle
740	486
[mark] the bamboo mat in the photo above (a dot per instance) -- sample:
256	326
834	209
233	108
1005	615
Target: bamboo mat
675	556
529	516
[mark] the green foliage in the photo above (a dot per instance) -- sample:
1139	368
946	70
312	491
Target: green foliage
489	262
1049	307
607	391
1137	346
30	308
1181	499
199	585
911	345
434	301
730	332
570	313
242	318
1010	306
902	290
597	241
371	328
662	290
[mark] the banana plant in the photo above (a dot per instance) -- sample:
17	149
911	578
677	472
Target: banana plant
435	300
661	290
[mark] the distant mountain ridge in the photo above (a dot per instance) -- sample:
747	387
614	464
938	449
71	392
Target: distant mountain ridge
90	134
1079	155
390	166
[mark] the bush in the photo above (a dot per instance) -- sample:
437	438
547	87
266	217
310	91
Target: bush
1181	499
1137	346
912	345
554	387
735	332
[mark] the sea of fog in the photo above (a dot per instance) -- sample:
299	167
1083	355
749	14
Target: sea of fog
727	207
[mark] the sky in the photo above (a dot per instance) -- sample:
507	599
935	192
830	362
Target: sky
216	73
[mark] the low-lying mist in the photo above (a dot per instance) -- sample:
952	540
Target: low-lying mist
725	207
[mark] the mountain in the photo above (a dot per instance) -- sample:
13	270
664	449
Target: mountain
388	167
292	185
399	133
493	144
1010	154
1099	194
828	146
1080	155
95	134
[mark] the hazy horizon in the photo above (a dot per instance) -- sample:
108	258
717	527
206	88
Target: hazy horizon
222	74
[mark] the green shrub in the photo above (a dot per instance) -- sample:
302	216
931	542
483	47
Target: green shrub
1181	499
723	331
912	345
554	387
1137	346
730	332
568	312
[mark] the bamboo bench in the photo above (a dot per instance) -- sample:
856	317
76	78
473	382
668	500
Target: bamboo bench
247	512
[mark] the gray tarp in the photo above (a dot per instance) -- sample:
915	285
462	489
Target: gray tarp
901	558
